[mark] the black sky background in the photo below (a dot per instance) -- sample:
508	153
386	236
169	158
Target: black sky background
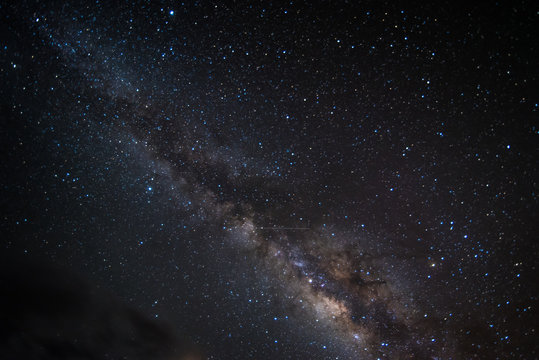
140	140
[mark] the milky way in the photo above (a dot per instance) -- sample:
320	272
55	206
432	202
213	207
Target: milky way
299	182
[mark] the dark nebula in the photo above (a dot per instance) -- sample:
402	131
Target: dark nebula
345	180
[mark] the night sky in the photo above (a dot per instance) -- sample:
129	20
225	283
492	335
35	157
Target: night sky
270	180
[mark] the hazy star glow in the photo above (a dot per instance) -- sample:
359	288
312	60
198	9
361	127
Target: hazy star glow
339	181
